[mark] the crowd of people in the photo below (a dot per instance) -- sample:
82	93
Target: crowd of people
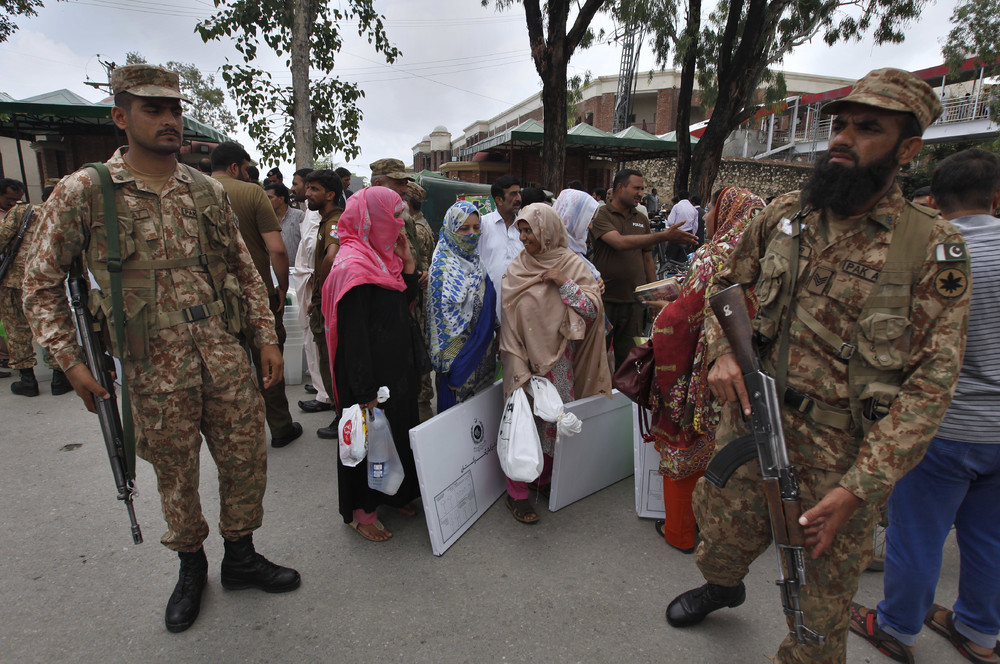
862	306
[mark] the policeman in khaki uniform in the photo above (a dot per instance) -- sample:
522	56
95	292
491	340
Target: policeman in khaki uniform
189	287
863	303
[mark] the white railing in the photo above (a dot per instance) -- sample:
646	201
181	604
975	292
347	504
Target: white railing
964	109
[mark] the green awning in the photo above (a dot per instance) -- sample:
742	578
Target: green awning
31	117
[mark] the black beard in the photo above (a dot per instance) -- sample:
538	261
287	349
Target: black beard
844	189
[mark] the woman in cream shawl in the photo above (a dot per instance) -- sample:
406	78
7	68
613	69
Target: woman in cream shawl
550	304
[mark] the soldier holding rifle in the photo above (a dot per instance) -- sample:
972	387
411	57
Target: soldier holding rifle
177	284
862	303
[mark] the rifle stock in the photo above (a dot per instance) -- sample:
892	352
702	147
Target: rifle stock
107	409
781	486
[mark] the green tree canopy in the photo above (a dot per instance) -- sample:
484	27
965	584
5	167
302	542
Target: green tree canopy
10	9
308	117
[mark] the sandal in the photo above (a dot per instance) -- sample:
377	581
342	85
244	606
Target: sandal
957	639
522	510
866	626
367	534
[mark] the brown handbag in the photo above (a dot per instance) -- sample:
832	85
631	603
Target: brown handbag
634	378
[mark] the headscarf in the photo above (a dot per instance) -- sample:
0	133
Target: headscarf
537	324
684	414
577	209
456	287
368	230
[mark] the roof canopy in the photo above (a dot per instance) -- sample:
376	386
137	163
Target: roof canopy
63	111
632	143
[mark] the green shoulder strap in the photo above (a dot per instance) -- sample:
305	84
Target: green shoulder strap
117	301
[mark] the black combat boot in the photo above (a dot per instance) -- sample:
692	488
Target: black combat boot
243	567
27	386
60	383
690	608
185	601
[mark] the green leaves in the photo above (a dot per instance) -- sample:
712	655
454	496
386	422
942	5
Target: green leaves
9	9
331	119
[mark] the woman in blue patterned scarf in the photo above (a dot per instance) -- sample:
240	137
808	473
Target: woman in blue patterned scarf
461	310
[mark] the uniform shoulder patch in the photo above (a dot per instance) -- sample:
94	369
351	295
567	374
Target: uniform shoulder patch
950	252
951	282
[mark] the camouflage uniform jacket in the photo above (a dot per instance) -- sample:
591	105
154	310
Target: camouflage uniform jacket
834	283
168	225
425	241
8	231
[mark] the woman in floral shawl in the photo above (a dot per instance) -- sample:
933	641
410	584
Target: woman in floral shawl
684	414
461	310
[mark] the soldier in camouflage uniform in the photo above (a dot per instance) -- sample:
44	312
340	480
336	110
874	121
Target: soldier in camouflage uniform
189	285
873	330
415	195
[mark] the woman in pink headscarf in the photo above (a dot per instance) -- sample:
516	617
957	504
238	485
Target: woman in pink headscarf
369	333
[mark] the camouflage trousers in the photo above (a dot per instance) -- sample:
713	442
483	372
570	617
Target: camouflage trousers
426	393
735	530
229	410
19	345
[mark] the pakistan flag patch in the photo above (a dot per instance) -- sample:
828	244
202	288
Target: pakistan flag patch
948	252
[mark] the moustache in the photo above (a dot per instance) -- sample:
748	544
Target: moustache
168	132
843	152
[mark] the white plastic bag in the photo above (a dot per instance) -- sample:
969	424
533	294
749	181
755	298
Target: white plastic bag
385	471
549	407
353	431
353	437
518	446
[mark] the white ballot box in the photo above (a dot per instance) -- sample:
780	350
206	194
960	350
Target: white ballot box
648	483
457	465
598	456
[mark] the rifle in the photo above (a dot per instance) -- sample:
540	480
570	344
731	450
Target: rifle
107	409
15	244
781	485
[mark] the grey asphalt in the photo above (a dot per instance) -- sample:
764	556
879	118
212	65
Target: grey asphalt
587	584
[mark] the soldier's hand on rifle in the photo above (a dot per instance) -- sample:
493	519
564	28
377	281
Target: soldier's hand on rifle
824	521
86	387
725	379
273	369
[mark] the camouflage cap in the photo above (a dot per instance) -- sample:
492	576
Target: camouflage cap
415	191
392	168
893	90
147	81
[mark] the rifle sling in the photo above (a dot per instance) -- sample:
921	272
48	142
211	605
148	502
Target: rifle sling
117	302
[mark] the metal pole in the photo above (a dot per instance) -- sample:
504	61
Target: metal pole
20	158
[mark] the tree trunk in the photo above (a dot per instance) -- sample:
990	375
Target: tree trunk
554	134
684	96
301	108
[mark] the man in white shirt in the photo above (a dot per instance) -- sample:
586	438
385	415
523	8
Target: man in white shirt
685	212
500	242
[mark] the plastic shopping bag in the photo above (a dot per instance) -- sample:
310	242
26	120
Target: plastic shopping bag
353	436
353	431
385	471
518	446
549	407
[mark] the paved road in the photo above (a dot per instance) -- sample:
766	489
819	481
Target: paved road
587	584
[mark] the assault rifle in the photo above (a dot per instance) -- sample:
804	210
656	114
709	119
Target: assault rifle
767	443
15	244
107	409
